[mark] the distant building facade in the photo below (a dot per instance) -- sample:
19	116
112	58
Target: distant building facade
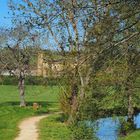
48	68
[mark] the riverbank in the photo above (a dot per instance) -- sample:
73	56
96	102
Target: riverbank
53	128
133	136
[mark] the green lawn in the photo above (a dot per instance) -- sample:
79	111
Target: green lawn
10	112
33	93
133	136
51	128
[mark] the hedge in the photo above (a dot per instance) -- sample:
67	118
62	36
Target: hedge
30	80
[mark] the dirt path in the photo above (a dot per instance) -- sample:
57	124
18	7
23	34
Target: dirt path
28	128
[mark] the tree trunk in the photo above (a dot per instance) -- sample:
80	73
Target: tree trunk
130	108
129	93
22	90
73	103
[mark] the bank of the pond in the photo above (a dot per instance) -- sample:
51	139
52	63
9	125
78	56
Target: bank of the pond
133	136
52	128
107	129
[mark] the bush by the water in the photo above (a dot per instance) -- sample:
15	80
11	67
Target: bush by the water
126	127
80	131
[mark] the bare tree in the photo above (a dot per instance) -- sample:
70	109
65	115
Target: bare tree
17	54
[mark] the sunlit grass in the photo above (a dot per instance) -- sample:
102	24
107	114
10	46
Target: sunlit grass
51	128
10	112
133	136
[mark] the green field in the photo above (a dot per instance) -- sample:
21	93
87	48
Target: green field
10	112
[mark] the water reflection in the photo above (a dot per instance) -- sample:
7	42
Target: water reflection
107	128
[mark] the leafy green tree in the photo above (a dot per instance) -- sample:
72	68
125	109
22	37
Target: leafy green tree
113	41
94	38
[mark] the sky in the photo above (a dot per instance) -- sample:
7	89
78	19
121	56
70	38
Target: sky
4	22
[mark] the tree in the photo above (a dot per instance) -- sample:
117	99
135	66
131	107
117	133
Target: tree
17	54
92	36
118	45
60	19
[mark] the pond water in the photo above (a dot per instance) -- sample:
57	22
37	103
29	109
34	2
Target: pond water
107	128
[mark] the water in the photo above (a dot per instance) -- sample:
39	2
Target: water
108	127
137	121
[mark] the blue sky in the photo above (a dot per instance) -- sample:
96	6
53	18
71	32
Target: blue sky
4	22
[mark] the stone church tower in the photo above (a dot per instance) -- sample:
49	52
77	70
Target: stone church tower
41	66
47	68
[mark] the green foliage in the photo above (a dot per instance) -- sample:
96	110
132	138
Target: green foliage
80	131
8	80
126	127
64	100
88	107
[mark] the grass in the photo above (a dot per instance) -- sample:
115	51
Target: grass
33	93
51	128
10	112
9	119
133	136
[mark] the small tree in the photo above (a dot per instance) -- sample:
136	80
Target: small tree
17	54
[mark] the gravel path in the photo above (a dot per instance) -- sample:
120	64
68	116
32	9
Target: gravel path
28	128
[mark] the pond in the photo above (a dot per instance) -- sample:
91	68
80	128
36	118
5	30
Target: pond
107	128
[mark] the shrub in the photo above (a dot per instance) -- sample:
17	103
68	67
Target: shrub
9	80
126	127
80	131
